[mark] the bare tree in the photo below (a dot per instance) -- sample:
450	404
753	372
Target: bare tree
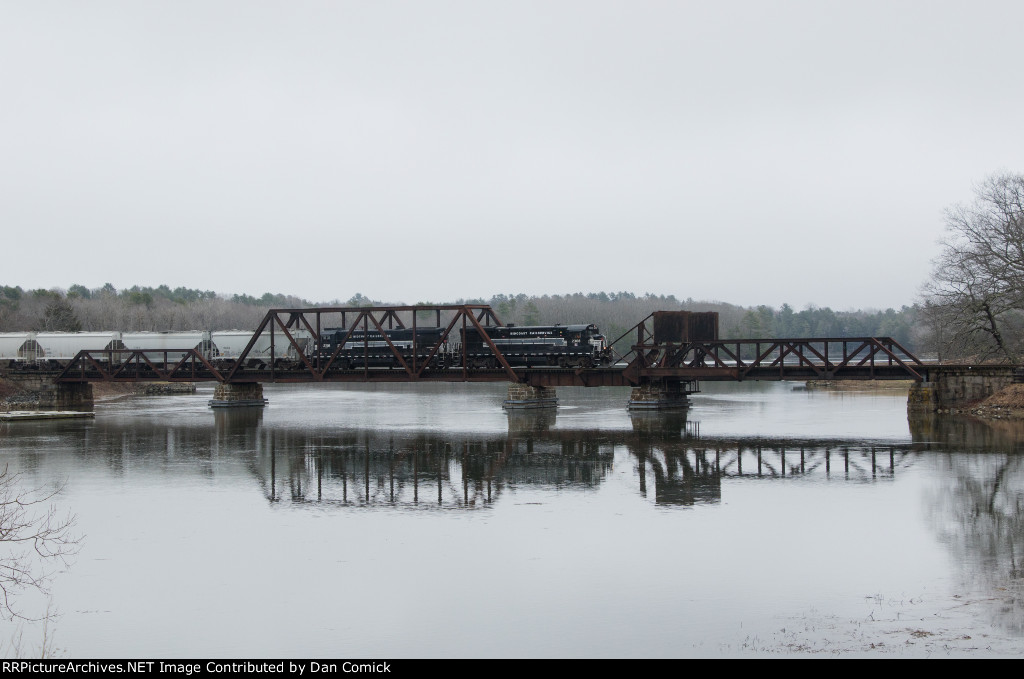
36	540
977	285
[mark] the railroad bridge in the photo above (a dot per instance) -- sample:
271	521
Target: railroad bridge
663	358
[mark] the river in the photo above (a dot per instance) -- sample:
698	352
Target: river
403	521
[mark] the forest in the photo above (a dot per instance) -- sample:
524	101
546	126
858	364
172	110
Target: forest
161	308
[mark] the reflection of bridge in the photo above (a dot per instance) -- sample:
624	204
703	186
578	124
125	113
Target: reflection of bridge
430	470
668	355
426	470
461	471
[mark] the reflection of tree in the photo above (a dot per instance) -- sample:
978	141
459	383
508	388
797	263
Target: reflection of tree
36	541
963	432
979	513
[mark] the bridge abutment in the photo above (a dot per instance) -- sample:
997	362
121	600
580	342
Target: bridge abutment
950	388
667	395
240	395
522	396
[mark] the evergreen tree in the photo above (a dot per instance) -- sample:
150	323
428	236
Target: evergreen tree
59	316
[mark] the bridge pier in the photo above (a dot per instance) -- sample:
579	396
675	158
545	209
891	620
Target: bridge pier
923	398
43	393
663	395
240	395
67	396
522	396
952	388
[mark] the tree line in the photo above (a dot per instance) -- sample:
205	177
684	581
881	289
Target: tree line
161	308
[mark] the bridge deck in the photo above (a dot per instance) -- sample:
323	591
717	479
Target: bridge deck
191	369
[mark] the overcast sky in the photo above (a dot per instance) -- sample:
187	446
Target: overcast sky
752	152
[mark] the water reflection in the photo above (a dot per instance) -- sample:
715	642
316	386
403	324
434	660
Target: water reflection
977	506
963	432
532	421
610	487
437	468
428	470
674	467
410	467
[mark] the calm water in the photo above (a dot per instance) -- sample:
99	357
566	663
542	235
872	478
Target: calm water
407	522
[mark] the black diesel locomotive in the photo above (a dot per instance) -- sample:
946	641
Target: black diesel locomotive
527	346
533	346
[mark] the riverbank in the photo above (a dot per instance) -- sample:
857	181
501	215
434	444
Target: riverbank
15	397
1005	404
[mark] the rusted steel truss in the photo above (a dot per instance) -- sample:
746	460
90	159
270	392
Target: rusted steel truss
136	365
315	361
820	358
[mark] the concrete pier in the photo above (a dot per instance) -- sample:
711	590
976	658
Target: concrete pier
242	395
659	396
524	396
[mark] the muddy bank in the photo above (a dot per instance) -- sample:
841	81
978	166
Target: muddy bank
1005	404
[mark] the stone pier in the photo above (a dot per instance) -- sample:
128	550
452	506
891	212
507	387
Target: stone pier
659	396
524	396
67	396
41	392
953	388
241	395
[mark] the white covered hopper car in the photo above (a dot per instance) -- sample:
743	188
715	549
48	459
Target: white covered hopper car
50	350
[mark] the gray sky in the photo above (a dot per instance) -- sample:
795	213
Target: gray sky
753	152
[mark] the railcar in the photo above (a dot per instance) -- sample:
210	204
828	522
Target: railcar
50	350
187	339
227	346
14	347
530	346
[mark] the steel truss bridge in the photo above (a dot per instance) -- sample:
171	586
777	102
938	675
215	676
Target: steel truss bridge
292	360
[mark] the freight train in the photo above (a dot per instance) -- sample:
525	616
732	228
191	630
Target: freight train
560	346
530	346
